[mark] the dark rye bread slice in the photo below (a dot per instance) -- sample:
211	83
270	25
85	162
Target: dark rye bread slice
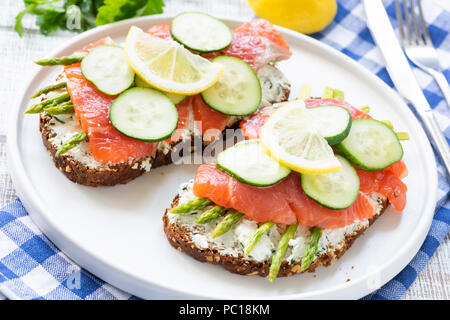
272	80
179	237
76	171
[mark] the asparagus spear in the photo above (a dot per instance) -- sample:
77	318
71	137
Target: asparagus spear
49	88
277	258
72	143
227	222
39	107
192	205
338	94
211	214
311	248
62	61
327	93
251	243
63	108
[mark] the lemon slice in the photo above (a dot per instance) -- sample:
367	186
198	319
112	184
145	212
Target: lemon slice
168	66
291	138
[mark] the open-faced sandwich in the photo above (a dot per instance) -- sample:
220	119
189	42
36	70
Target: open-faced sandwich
116	111
312	176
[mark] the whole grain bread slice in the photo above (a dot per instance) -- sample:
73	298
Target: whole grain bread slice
90	173
180	237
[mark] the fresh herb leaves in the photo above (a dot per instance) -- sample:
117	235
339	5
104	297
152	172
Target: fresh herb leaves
81	15
115	10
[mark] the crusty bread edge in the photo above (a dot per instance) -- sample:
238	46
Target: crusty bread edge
79	173
179	237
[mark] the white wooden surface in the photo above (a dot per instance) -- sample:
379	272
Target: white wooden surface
17	56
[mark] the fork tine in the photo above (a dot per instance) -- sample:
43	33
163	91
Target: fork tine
426	35
408	25
415	24
398	13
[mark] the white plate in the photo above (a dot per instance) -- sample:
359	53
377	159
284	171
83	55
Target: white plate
116	232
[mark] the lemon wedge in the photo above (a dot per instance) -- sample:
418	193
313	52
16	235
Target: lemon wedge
168	66
289	136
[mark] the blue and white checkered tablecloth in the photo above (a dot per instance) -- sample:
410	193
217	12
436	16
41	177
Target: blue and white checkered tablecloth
31	267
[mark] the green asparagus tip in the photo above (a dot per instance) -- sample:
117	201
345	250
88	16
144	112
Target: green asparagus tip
39	107
230	219
33	109
61	61
211	214
63	108
256	236
49	88
192	205
72	143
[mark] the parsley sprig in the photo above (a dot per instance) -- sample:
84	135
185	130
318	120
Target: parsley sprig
81	15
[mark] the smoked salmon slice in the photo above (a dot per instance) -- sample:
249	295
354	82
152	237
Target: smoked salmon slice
161	31
386	182
184	110
284	202
91	106
207	117
257	43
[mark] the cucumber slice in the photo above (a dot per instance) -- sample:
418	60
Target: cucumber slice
201	32
249	163
176	98
107	68
371	145
145	114
332	122
336	190
238	91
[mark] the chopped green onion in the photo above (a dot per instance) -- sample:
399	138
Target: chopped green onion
365	109
388	123
402	135
338	94
327	93
305	91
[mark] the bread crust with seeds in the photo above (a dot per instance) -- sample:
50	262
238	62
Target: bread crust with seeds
180	238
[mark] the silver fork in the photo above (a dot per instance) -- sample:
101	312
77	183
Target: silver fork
419	48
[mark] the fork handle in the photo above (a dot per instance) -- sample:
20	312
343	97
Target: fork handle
437	138
443	84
